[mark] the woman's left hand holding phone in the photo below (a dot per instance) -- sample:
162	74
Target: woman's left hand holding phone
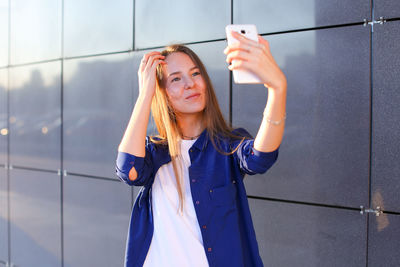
257	58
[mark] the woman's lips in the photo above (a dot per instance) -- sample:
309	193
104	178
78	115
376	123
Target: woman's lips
193	96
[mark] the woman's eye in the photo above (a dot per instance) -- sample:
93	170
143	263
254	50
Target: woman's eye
196	73
175	79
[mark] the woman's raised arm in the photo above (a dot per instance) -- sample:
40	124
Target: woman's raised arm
133	141
257	58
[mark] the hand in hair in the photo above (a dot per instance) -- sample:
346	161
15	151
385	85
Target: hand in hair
257	58
147	72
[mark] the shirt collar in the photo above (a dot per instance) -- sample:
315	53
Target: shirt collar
202	140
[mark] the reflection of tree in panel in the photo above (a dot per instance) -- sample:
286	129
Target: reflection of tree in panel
35	115
3	116
98	101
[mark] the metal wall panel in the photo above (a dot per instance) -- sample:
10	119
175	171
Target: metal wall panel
383	240
3	116
96	219
3	33
159	22
386	116
284	15
35	116
35	218
301	235
98	100
3	215
386	9
326	140
35	30
94	27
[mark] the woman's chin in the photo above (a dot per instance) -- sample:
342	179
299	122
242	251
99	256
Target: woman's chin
192	111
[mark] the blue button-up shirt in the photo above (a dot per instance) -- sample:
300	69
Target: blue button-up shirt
218	194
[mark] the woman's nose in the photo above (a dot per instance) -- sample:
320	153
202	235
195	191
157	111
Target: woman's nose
189	83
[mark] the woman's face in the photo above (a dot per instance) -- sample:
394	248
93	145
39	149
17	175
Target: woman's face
185	86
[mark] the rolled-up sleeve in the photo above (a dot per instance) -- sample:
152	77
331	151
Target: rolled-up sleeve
250	160
143	166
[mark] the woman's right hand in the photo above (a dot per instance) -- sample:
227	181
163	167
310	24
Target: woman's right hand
147	72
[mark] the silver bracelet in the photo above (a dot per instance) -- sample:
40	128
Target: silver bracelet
276	122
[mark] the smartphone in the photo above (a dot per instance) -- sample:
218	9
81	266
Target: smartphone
249	31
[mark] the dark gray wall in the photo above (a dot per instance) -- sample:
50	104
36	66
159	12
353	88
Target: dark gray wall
68	84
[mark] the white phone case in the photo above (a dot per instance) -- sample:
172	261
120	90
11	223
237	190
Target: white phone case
249	31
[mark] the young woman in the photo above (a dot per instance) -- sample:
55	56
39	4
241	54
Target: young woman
192	209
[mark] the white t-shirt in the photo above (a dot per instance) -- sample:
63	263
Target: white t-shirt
177	239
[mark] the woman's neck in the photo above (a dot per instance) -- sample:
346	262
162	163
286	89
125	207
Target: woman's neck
191	126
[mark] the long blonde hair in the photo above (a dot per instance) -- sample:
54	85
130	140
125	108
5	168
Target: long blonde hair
166	122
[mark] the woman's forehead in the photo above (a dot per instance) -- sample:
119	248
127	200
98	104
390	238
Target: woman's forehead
178	61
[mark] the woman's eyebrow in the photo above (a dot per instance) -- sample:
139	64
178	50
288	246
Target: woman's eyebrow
177	72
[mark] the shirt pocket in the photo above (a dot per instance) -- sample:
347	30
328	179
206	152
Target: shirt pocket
223	195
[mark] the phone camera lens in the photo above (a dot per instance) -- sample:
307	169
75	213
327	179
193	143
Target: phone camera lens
243	31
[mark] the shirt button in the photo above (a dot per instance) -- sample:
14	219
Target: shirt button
193	180
204	226
209	249
191	150
197	202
